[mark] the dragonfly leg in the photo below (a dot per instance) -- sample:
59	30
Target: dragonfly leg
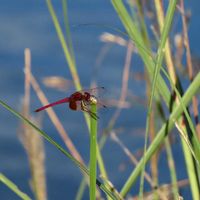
85	108
93	115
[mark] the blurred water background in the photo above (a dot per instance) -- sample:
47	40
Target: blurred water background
28	24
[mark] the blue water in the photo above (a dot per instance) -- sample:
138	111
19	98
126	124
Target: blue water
28	24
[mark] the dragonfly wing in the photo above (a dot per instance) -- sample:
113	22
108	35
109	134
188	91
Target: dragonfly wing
97	91
99	104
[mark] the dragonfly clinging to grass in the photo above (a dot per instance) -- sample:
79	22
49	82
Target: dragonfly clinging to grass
80	100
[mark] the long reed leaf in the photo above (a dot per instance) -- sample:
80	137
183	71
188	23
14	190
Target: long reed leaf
103	187
13	187
93	152
191	91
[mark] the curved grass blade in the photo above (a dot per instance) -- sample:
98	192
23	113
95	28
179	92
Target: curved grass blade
13	187
50	140
72	66
160	136
158	65
93	153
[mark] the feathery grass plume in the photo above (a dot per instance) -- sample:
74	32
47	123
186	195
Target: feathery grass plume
33	145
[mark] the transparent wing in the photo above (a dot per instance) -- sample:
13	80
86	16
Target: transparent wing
97	91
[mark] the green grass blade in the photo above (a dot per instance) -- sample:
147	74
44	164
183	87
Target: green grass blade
105	189
150	63
144	52
172	168
194	140
44	135
191	91
81	189
192	173
158	65
68	56
93	152
67	29
13	187
71	62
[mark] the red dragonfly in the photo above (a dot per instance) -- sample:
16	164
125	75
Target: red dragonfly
80	100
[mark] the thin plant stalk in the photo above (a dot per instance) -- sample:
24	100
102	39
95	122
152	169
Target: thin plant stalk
189	65
65	47
192	173
82	167
133	33
135	162
181	129
55	120
13	187
74	74
124	88
172	168
27	70
146	39
67	29
172	74
141	18
123	95
160	136
31	141
81	189
93	153
168	54
170	65
143	51
158	65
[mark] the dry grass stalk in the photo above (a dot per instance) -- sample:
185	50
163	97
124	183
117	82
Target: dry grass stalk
165	189
33	145
135	162
58	125
33	142
124	87
189	65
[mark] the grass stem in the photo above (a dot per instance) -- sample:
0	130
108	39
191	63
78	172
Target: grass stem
93	154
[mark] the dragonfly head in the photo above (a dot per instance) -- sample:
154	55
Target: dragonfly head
93	99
